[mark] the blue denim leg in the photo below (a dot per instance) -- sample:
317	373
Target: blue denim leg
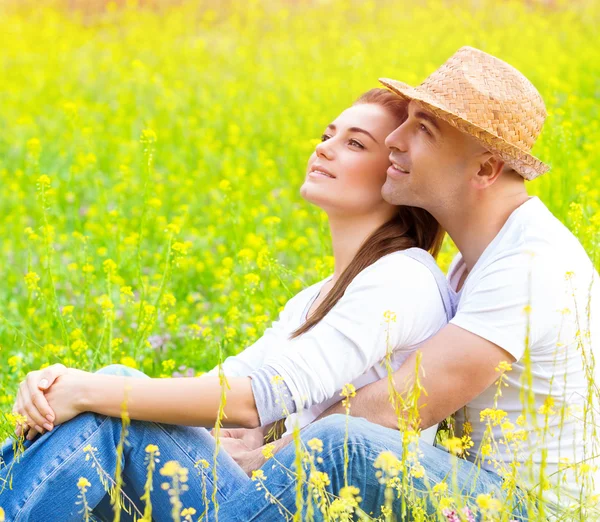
366	442
44	478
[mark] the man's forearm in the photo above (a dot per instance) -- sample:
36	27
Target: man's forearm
371	402
190	401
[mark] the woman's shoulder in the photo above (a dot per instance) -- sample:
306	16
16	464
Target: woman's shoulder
414	268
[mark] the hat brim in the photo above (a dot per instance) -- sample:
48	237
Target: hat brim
523	162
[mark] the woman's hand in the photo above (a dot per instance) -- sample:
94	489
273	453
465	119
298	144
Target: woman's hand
61	400
32	403
66	393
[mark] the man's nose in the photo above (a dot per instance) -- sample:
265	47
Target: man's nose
397	139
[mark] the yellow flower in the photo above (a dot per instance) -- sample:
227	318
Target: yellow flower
439	488
348	391
389	465
44	181
188	511
151	448
319	479
487	503
110	267
181	249
1	515
495	416
172	468
129	361
315	445
417	471
31	280
271	221
201	463
258	474
67	310
148	137
83	483
504	366
277	379
268	451
389	316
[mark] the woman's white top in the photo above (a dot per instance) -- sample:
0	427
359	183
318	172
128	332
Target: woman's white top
392	306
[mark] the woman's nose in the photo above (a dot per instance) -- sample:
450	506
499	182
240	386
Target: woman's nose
323	150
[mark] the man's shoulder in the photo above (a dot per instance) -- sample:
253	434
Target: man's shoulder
536	237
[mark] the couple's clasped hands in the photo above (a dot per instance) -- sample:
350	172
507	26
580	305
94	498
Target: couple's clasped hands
48	397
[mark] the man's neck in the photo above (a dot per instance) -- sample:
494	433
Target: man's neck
347	236
473	227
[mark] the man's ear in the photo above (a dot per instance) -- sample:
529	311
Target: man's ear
490	168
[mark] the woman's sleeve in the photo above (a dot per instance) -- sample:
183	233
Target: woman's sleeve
355	335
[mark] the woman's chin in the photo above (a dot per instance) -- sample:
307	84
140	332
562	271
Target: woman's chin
315	195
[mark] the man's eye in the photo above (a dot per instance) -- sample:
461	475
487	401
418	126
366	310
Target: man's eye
325	137
357	144
424	129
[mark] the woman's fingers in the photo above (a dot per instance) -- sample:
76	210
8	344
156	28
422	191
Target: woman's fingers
39	400
47	376
35	418
18	408
32	403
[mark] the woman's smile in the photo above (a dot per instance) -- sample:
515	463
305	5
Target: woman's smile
320	172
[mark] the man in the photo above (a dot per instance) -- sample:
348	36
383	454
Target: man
528	309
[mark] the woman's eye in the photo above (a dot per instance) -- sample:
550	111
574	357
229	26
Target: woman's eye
325	137
357	144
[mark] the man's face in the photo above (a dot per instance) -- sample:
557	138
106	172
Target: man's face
432	163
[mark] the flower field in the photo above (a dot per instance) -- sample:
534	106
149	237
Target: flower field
151	157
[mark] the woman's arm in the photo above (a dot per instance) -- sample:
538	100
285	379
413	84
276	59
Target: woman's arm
191	401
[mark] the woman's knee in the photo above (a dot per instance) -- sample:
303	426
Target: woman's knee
121	369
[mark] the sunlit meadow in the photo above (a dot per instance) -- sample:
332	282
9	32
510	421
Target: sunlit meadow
151	157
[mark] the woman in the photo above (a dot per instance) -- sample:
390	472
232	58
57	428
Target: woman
385	297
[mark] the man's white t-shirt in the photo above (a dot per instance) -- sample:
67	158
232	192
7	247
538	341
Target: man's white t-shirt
350	343
535	293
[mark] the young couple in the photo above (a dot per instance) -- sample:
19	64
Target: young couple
521	300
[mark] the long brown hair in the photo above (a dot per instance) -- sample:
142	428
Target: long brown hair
410	227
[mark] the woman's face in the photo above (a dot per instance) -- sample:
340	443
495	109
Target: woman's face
346	171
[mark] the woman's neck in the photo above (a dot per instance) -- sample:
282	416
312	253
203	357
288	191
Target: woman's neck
347	236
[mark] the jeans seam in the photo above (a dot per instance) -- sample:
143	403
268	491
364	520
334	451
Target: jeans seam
50	475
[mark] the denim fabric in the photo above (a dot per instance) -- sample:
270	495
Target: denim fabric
44	479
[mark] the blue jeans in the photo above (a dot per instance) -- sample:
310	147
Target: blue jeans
44	478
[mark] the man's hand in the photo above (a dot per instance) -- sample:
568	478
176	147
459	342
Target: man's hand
244	446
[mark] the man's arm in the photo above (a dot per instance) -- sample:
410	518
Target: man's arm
455	367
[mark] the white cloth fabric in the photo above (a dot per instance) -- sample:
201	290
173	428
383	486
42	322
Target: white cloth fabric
349	344
535	293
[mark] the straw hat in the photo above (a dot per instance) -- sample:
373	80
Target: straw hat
488	99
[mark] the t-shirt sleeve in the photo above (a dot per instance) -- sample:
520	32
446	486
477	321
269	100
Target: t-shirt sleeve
355	334
512	301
